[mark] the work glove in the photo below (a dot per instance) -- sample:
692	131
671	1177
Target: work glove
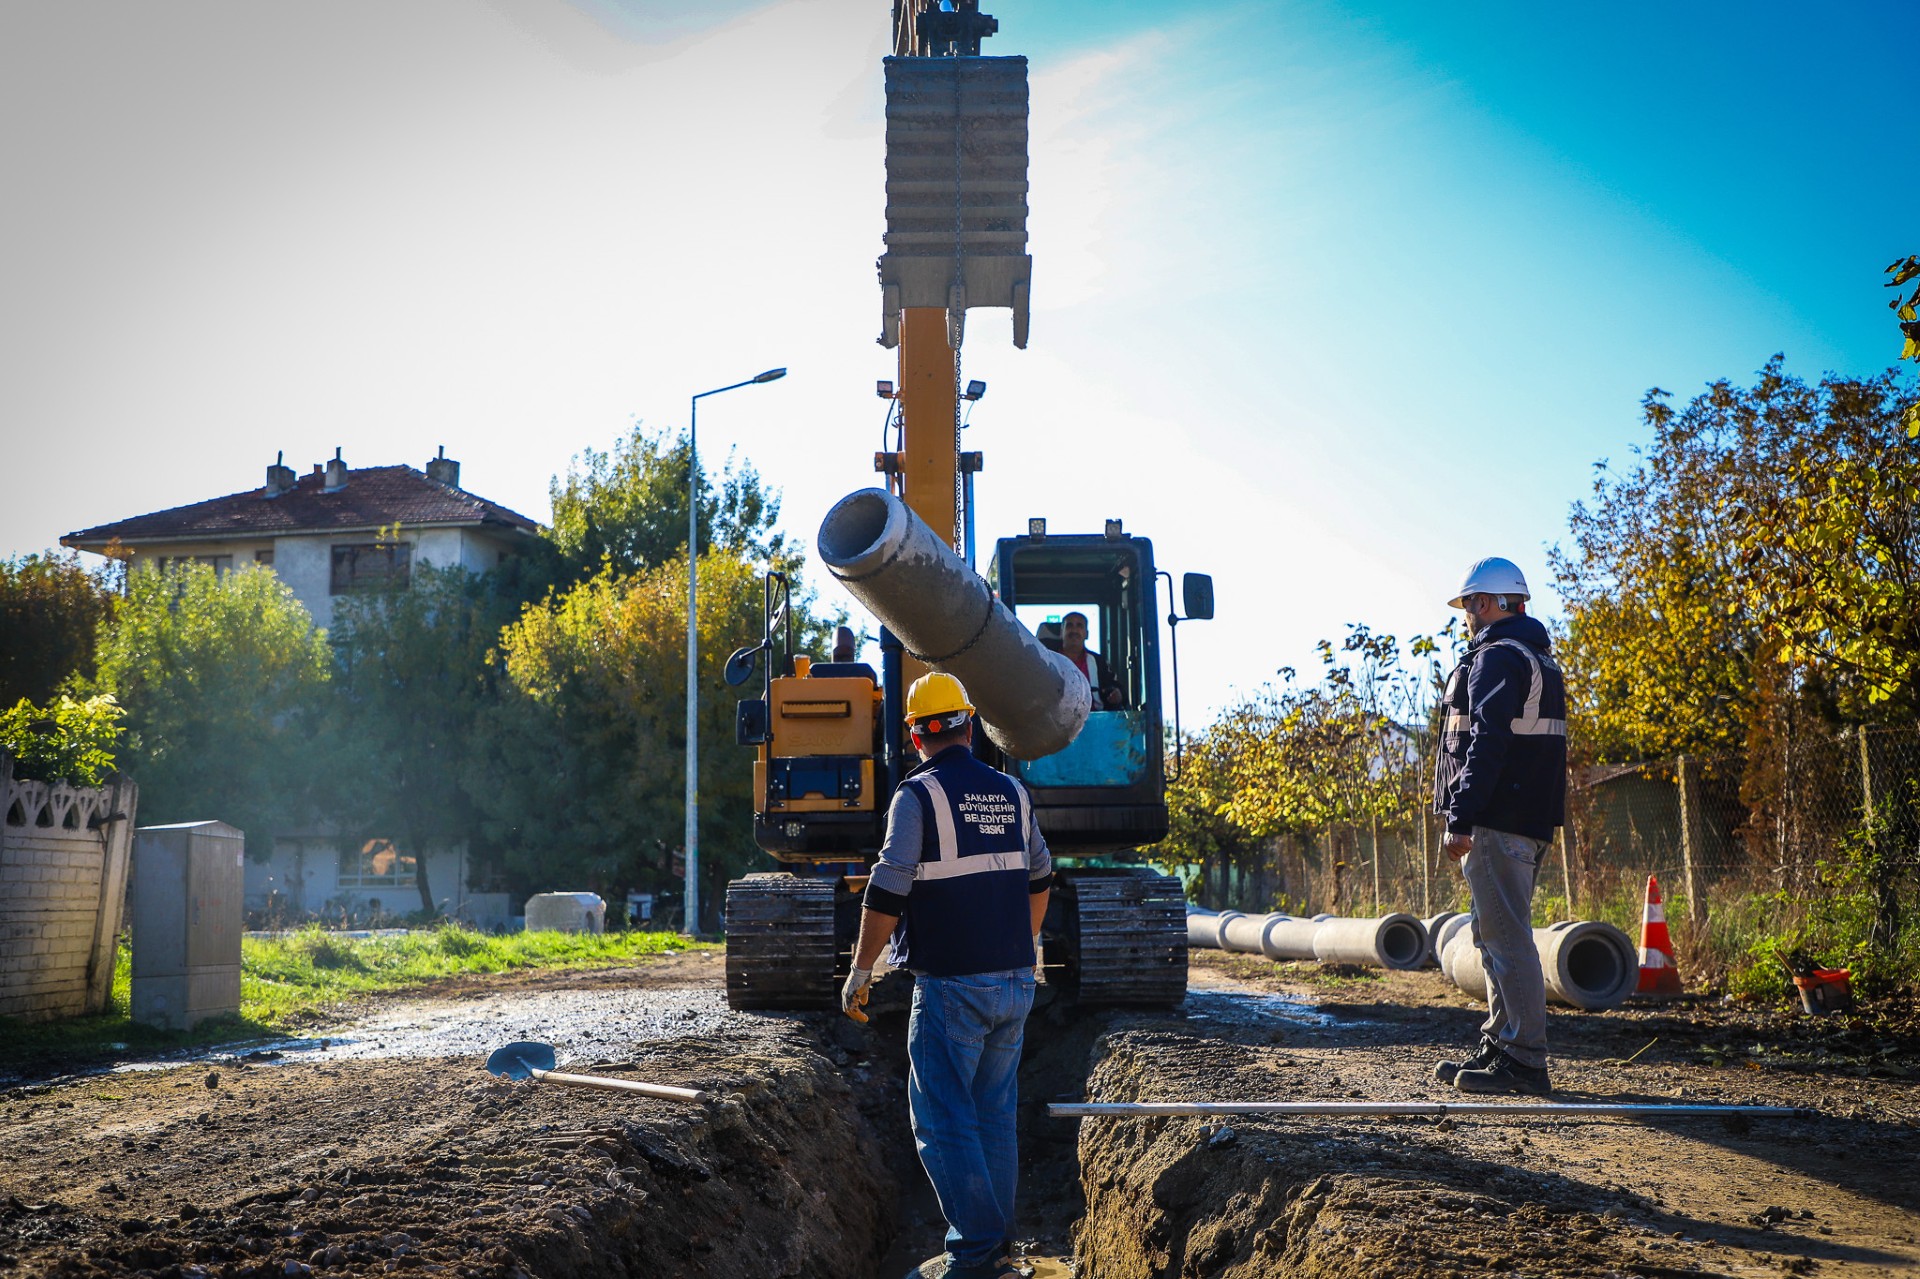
853	995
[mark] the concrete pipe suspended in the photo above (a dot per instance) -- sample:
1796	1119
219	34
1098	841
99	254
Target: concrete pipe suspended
1587	965
1396	941
1031	700
1433	924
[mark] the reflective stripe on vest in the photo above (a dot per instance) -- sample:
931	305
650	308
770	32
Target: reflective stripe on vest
1529	724
948	863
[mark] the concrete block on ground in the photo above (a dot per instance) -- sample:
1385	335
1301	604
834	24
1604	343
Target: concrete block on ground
566	913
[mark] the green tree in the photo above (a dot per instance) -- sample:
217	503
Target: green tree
220	676
628	510
587	782
51	607
412	691
69	740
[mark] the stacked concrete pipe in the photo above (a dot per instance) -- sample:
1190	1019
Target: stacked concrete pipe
1587	964
1392	941
1203	927
1433	924
1396	941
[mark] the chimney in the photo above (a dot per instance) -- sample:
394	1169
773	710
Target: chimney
280	476
444	470
336	474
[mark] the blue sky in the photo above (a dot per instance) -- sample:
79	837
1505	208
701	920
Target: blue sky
1329	299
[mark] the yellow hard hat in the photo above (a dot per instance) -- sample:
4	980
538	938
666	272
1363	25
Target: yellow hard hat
937	696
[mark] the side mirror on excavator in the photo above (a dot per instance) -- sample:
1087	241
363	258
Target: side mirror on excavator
740	665
1196	596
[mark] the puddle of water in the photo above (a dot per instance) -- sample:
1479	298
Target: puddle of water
1235	1006
582	1026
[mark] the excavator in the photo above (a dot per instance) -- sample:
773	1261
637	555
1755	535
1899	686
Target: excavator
828	737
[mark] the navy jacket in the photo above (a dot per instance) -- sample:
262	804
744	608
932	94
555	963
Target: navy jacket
963	853
1503	743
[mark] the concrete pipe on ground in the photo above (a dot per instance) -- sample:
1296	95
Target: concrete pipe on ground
1204	927
1587	965
1433	925
1031	700
1287	938
1242	933
1449	930
1396	941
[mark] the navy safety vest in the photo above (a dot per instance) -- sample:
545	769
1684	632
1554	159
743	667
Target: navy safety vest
968	909
1516	778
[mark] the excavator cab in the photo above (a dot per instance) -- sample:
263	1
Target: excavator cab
1104	794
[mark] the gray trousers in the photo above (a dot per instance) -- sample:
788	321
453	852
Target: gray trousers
1501	871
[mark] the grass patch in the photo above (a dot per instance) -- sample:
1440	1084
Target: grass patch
291	981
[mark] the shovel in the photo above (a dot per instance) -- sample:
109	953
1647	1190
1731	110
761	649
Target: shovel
531	1059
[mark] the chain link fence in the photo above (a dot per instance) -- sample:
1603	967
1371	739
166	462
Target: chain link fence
1758	831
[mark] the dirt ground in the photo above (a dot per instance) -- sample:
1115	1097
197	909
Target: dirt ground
313	1163
1838	1194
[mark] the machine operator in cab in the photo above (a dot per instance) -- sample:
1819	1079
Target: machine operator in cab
958	894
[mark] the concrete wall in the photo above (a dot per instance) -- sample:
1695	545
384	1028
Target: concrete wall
63	888
305	871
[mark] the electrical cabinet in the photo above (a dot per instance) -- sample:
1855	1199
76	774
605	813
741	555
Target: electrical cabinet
186	916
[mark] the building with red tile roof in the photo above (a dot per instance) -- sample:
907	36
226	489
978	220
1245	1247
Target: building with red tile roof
332	532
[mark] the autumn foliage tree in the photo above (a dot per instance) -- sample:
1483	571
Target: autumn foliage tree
1294	760
598	691
1764	526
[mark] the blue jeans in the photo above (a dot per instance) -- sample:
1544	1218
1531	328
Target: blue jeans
964	1044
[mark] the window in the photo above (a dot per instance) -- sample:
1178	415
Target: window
372	566
264	558
378	864
220	564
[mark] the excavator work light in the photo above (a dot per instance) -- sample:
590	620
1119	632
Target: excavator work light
883	389
1113	530
1037	528
975	389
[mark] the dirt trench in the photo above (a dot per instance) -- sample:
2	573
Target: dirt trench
366	1165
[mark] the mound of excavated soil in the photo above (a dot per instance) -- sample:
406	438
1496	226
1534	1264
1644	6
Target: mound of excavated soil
434	1167
1243	1197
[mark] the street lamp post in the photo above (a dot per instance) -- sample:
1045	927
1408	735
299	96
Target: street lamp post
692	920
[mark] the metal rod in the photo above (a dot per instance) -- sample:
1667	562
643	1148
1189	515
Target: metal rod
1571	1110
666	1091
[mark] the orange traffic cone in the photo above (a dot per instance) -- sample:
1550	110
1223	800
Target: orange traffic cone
1659	974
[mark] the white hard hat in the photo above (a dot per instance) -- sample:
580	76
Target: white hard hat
1492	576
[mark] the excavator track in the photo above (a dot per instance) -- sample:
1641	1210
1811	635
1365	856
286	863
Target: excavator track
1127	936
781	942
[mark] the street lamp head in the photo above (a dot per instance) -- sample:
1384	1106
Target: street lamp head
771	375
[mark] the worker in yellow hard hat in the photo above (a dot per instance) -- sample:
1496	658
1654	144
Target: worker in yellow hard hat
958	894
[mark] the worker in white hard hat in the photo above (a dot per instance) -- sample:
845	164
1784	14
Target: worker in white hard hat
958	894
1500	781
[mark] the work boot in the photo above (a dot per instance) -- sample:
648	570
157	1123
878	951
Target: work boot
1483	1056
1504	1074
